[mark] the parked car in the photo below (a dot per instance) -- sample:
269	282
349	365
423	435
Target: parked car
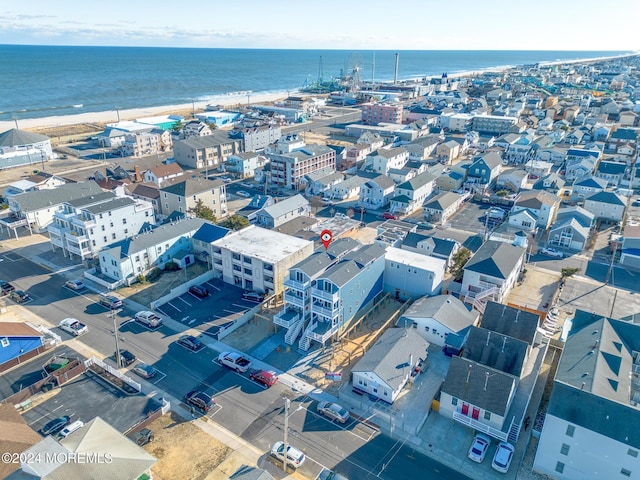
6	288
265	378
110	301
73	326
359	209
253	296
389	216
246	184
295	457
55	425
126	358
330	475
552	252
144	370
234	361
243	193
503	456
148	319
200	400
479	447
19	296
190	342
199	291
225	179
142	437
69	429
74	284
333	411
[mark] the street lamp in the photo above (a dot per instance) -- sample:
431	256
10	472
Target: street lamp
118	113
287	404
112	314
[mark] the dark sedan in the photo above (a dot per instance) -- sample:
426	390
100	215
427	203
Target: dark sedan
55	425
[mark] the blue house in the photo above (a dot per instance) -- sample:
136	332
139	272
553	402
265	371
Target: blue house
484	170
17	339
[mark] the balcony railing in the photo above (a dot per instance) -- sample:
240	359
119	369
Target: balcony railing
84	252
322	337
293	299
324	311
478	425
84	222
331	297
286	318
297	285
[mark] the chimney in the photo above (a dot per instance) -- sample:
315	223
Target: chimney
137	175
469	372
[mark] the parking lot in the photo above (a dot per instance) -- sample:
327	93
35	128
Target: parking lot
471	217
222	306
90	396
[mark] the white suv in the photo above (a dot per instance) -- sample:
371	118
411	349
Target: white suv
295	457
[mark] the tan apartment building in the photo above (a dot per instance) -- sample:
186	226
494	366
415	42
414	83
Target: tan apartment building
288	168
207	151
182	195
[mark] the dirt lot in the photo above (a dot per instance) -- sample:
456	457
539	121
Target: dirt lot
183	451
144	293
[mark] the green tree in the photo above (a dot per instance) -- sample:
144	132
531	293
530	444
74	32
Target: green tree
177	127
202	211
235	222
569	271
460	259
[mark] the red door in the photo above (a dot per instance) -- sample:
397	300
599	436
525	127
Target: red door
476	413
465	409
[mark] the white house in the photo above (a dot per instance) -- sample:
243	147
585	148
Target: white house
283	211
377	192
442	206
387	366
542	204
411	275
162	173
435	318
383	160
410	195
512	178
349	188
606	205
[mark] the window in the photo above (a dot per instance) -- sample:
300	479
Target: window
93	242
236	268
633	453
124	221
564	450
570	430
454	401
104	239
111	224
103	228
236	256
248	271
126	231
268	267
146	214
4	341
113	236
426	329
559	467
625	472
246	260
487	415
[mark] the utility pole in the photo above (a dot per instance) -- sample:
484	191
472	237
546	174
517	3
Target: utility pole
287	404
112	314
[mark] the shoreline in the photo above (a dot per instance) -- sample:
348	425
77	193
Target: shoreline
111	116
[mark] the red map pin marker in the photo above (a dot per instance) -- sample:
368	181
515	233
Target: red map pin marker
326	236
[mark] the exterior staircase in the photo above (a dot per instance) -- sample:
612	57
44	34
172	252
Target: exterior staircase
305	341
294	331
514	433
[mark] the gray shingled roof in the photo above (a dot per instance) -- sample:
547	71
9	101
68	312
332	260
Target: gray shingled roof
388	153
418	181
16	138
593	380
352	264
442	201
477	384
496	350
215	139
535	198
382	181
446	309
441	246
284	206
37	200
321	258
388	356
110	205
510	321
158	235
496	259
605	197
91	200
189	186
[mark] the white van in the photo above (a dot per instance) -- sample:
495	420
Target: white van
69	429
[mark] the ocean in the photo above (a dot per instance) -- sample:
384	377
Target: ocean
42	81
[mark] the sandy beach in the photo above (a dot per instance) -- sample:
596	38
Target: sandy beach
134	113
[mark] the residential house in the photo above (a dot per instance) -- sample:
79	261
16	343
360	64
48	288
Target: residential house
552	183
348	188
450	181
611	172
585	186
520	151
410	195
492	124
36	210
484	170
622	136
258	259
571	229
97	450
432	246
422	147
257	203
258	137
147	192
355	154
513	179
244	164
376	192
17	437
491	272
442	207
523	219
209	151
272	216
85	226
631	246
590	423
608	206
185	194
18	342
19	147
581	163
38	181
321	181
162	173
387	366
538	168
292	160
439	317
513	322
412	275
202	242
195	128
554	155
628	118
385	159
448	151
342	291
574	137
544	205
127	259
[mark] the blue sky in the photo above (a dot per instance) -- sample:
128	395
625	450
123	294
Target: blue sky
326	24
